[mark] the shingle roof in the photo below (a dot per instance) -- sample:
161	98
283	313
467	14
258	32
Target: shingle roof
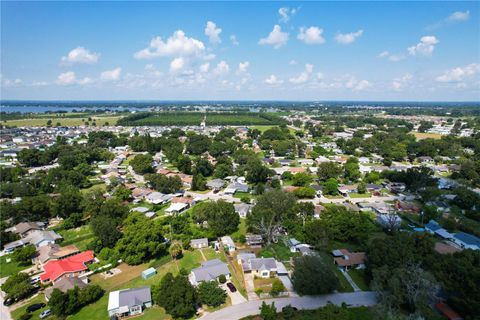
210	270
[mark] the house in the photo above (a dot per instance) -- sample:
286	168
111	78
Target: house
407	207
55	252
396	187
69	267
434	228
199	243
425	160
140	209
254	240
466	241
243	209
318	189
215	184
236	187
42	238
228	243
176	208
25	228
374	188
345	190
129	302
64	285
188	200
346	259
260	267
293	244
208	271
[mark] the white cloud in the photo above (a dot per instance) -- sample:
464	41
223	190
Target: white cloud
347	38
304	76
221	68
233	40
11	83
178	45
425	47
286	13
352	83
204	67
312	35
460	73
85	81
459	16
177	65
272	80
293	62
391	57
80	55
39	83
111	75
276	38
398	84
242	67
66	78
213	33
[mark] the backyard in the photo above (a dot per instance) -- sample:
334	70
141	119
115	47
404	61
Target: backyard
79	237
9	268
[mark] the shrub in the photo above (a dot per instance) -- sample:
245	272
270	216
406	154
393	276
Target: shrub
222	278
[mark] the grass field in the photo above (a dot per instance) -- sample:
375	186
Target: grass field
80	237
17	313
358	276
360	195
12	267
424	135
38	122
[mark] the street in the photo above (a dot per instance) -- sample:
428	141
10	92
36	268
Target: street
364	298
4	311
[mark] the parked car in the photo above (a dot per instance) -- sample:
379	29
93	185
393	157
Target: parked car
231	287
45	313
35	307
8	301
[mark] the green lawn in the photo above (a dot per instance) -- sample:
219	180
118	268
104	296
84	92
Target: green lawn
278	251
360	195
17	313
12	267
37	122
80	237
344	286
99	186
242	230
358	276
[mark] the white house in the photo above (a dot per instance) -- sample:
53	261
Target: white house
129	302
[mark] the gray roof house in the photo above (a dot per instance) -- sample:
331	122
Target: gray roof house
261	267
199	243
210	270
242	209
236	187
215	184
42	238
129	302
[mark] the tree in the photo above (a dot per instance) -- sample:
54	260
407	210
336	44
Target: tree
257	172
142	163
277	288
203	167
68	202
305	192
18	286
164	184
142	239
198	183
223	170
198	144
58	302
176	295
328	170
362	188
105	229
268	312
24	255
175	249
330	187
313	276
211	294
122	193
184	164
221	216
302	179
272	208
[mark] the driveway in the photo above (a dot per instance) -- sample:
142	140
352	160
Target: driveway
4	311
354	299
236	297
350	280
250	287
288	284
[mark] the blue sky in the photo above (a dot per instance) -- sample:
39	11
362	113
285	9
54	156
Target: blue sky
241	50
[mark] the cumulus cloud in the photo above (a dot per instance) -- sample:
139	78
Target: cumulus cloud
391	57
347	38
85	81
356	85
312	35
460	73
304	76
8	83
398	84
425	47
178	45
80	55
286	13
272	80
275	38
111	75
213	33
242	67
233	40
204	67
177	65
459	16
66	78
221	68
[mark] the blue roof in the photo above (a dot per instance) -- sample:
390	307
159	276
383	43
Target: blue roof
432	225
468	239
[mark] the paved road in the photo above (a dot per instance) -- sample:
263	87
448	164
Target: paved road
363	298
4	311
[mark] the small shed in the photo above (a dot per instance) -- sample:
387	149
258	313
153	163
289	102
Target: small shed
150	272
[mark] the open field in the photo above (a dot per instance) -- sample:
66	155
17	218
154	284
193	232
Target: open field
12	267
423	135
80	237
17	313
196	118
37	122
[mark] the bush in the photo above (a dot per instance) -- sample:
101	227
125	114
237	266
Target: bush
25	316
222	278
277	287
211	294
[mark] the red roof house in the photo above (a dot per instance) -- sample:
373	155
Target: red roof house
71	266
